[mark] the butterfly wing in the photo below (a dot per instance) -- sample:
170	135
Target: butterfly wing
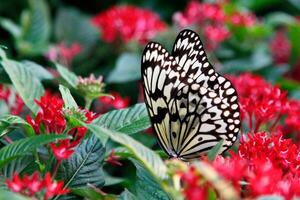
160	80
191	107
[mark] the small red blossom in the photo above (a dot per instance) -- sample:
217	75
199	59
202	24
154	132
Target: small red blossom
231	168
216	34
16	184
118	102
292	121
280	47
63	53
90	116
242	19
53	188
50	115
113	159
33	185
17	105
128	23
193	188
63	149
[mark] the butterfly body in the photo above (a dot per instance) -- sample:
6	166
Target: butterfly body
190	105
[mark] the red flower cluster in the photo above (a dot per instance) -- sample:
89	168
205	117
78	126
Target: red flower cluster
193	189
63	53
128	23
118	102
7	95
33	186
266	164
50	115
280	47
260	102
242	19
208	15
113	159
52	119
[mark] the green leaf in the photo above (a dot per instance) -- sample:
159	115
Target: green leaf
146	187
39	71
279	18
110	180
24	146
211	155
67	75
26	83
11	27
8	122
92	194
84	166
17	166
67	97
4	195
293	33
126	195
127	69
67	19
130	120
35	27
146	156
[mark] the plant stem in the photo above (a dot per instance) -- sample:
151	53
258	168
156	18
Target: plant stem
88	103
8	139
56	168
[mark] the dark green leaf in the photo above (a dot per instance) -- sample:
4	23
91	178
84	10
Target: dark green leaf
26	83
92	194
67	97
16	166
146	156
84	166
146	187
293	33
7	124
67	75
130	120
24	146
215	150
127	69
110	180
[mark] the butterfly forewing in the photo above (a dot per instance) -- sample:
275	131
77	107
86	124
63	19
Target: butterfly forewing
191	107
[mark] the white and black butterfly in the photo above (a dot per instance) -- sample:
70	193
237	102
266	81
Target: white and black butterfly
191	106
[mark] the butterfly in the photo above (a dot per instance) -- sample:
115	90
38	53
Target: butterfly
191	106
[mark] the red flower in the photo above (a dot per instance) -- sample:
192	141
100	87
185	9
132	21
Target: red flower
63	53
292	121
128	23
16	184
63	149
263	178
16	107
50	115
270	101
118	102
113	159
34	186
90	116
231	168
193	190
242	19
53	188
280	47
216	34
